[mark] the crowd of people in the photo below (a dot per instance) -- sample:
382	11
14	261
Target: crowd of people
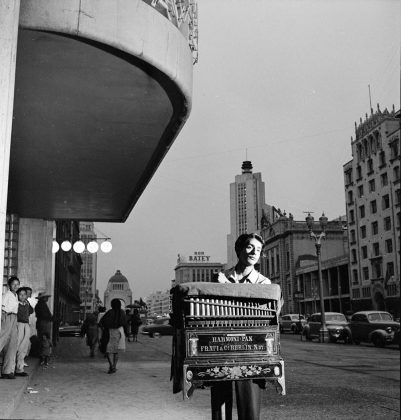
19	331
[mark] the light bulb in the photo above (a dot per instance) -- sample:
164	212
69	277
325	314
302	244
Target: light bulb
92	247
55	247
106	247
79	247
66	246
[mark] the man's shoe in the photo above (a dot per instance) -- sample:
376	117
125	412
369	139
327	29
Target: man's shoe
7	376
21	374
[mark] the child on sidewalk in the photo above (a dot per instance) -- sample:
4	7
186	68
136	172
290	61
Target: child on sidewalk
45	349
23	330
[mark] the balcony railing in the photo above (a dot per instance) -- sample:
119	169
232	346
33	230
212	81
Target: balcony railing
179	12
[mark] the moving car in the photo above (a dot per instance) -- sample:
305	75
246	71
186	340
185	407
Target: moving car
160	326
375	327
292	323
337	326
67	330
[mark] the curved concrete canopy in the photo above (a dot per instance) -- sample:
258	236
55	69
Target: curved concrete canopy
91	125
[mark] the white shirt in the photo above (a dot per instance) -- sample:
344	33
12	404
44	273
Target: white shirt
254	277
10	303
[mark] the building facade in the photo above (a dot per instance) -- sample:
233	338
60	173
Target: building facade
288	247
247	207
88	270
158	304
372	193
336	285
118	288
196	268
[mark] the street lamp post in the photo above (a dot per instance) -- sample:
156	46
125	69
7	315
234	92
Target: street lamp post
323	333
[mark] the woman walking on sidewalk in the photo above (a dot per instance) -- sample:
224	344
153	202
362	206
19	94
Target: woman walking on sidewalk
115	322
90	329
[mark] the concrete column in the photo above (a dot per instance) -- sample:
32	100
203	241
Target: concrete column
9	18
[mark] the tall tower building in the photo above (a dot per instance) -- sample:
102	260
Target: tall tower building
88	270
247	207
373	198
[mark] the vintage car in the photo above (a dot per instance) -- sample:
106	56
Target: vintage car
160	326
375	327
292	323
337	326
67	330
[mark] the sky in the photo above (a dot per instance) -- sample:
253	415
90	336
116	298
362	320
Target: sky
278	81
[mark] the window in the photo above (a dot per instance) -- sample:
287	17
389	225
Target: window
376	249
364	250
359	172
394	149
387	223
361	211
350	197
396	174
363	231
370	166
355	276
352	235
390	269
389	246
397	197
377	269
360	191
385	202
375	228
372	185
366	273
382	158
384	179
373	207
352	216
353	254
355	293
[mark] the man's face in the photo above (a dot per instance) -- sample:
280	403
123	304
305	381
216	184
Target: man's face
22	296
250	254
14	286
29	293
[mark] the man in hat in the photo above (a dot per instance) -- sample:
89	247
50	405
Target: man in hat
44	317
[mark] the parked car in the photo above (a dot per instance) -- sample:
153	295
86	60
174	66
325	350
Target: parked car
375	327
292	323
337	326
159	327
67	330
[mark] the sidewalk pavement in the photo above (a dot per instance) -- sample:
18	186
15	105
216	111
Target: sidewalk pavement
12	390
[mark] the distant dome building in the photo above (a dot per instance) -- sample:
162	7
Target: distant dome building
118	288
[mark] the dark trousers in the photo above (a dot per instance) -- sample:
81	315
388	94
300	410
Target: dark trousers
247	395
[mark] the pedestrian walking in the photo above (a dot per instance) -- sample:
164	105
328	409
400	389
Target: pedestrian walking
90	330
23	330
44	317
8	332
129	319
248	248
102	334
135	324
115	322
45	349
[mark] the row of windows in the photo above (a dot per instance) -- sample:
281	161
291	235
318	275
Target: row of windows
376	271
388	244
369	170
385	204
374	229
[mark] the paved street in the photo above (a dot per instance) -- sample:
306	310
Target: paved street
324	381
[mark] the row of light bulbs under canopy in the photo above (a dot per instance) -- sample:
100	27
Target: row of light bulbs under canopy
79	246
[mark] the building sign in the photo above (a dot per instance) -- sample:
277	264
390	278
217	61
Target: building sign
199	256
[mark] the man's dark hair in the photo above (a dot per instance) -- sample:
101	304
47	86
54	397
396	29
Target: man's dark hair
243	240
11	279
21	289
